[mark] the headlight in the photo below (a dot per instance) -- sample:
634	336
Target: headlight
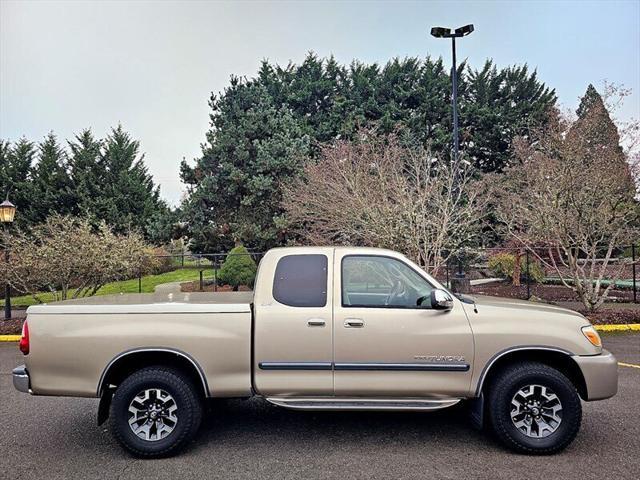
592	335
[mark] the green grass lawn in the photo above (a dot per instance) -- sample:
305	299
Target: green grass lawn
126	286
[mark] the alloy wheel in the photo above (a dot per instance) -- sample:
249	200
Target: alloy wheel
536	411
153	414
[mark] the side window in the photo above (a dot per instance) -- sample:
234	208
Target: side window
301	281
382	282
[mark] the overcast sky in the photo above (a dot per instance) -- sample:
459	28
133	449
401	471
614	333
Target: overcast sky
67	65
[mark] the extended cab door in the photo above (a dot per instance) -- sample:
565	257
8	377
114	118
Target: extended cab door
293	322
385	344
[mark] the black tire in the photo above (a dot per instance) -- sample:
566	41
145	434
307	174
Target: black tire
184	396
516	377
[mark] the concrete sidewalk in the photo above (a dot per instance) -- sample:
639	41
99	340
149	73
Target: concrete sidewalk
173	287
484	281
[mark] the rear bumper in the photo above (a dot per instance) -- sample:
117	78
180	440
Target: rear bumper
600	374
21	380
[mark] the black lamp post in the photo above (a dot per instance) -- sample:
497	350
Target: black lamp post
459	283
441	32
7	214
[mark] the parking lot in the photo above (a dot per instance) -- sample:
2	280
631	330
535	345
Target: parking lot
46	437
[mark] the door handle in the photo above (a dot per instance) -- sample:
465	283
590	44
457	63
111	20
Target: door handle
353	323
316	322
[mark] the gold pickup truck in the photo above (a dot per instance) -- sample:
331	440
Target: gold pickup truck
326	329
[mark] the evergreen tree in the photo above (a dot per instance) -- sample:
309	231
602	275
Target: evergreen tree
51	182
332	102
129	198
5	152
235	187
98	179
594	125
15	177
590	100
163	226
262	127
88	175
112	183
495	107
238	268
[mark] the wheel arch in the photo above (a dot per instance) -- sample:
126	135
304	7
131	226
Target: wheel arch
553	357
127	362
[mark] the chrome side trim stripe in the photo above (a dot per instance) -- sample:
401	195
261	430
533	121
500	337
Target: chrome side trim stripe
397	367
295	365
403	367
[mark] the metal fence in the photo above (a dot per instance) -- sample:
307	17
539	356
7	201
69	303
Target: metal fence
202	262
477	270
471	270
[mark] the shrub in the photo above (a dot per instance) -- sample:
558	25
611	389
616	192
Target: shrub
157	260
238	268
502	265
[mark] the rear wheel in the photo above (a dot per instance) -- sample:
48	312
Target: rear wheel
534	409
155	412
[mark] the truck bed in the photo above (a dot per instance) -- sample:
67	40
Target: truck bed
74	341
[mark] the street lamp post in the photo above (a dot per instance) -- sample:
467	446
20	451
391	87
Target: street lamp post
441	32
7	214
459	283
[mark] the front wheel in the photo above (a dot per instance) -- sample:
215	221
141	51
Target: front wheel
155	412
534	409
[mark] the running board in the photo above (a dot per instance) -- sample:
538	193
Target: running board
352	404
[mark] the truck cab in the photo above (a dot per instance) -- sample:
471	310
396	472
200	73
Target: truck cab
346	322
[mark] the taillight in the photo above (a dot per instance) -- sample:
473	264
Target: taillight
24	339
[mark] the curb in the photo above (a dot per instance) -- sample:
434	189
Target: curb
9	338
625	327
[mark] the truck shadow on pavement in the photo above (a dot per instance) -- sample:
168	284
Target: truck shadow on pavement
255	422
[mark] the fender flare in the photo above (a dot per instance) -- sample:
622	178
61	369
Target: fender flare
509	350
120	356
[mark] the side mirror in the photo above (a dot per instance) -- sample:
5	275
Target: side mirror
441	300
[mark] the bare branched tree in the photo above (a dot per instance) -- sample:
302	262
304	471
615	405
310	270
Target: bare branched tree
377	193
570	199
67	257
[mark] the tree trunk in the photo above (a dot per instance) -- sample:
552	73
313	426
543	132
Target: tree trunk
515	277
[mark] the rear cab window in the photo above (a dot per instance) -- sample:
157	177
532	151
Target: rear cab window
301	280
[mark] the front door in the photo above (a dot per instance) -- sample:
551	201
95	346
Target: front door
388	342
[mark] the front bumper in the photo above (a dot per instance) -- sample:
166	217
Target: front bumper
600	374
21	380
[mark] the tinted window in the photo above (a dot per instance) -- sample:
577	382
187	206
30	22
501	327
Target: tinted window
372	281
301	281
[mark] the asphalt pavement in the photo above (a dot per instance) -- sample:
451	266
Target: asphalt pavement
57	438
